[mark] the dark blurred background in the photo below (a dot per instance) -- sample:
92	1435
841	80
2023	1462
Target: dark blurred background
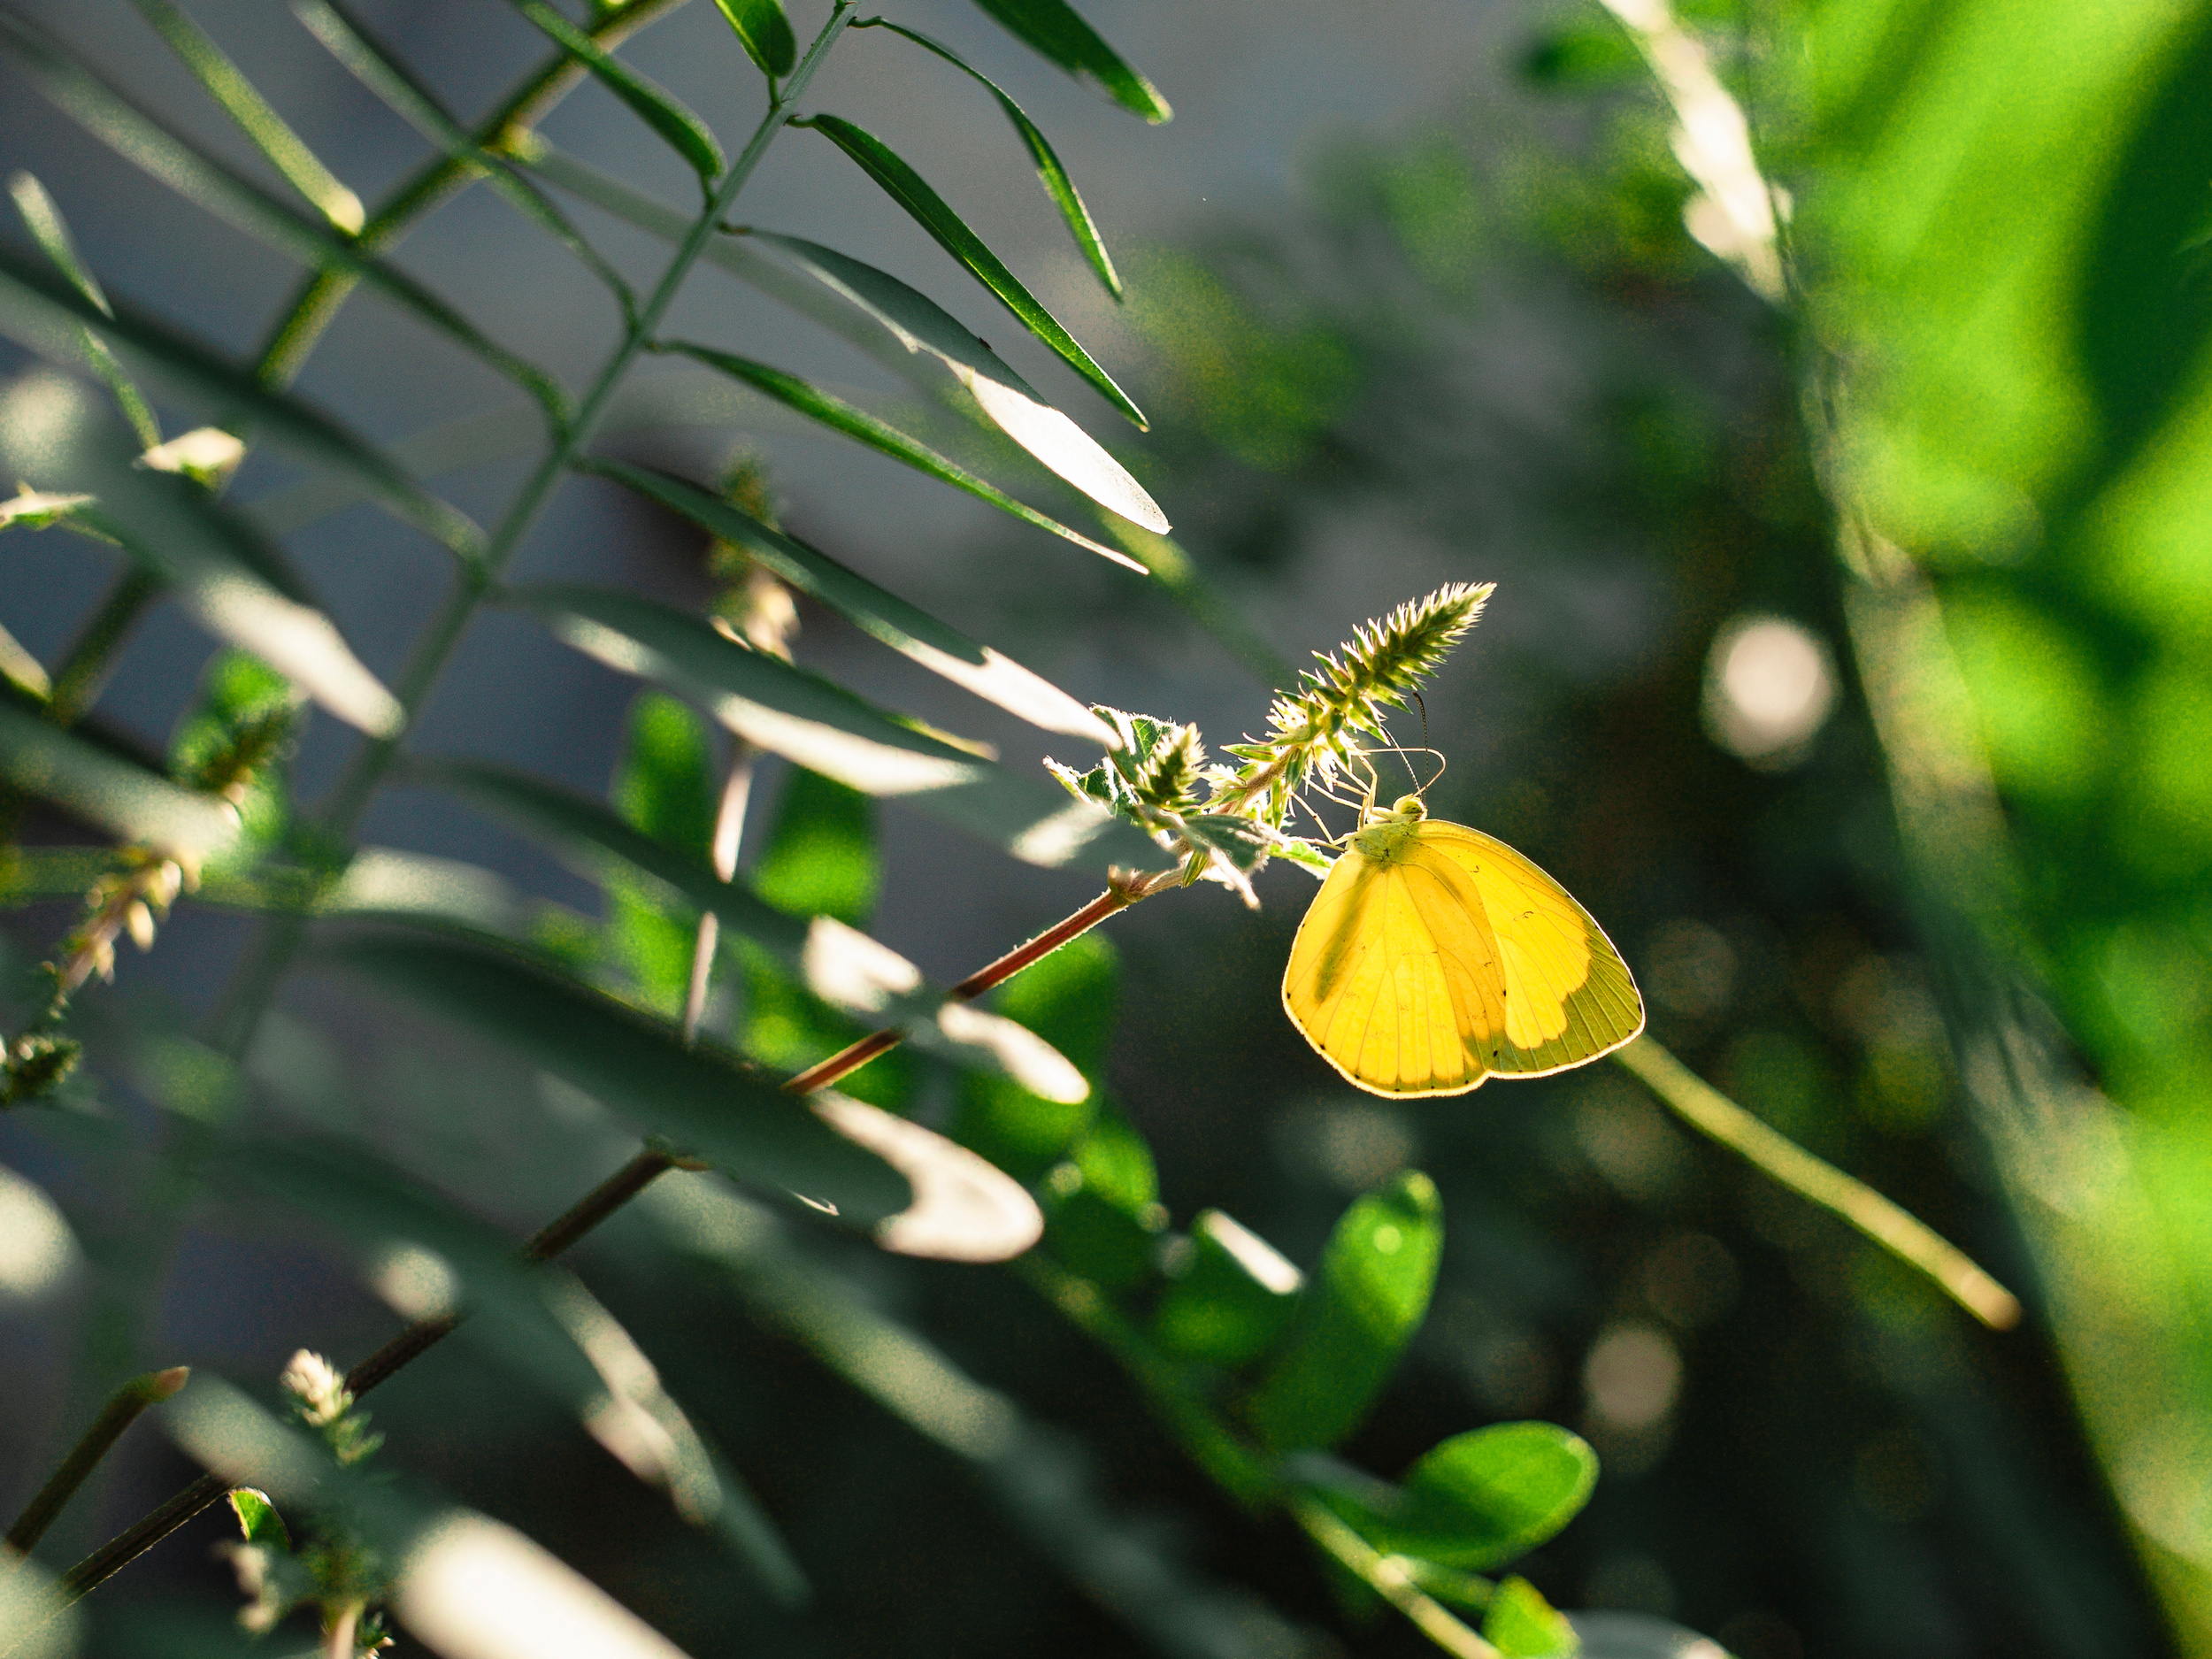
1410	302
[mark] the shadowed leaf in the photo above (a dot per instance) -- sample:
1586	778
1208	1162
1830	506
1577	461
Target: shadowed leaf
686	133
764	32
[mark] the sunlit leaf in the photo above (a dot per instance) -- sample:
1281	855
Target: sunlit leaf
833	961
912	632
51	430
965	1210
138	805
1360	1307
638	1068
826	729
1233	1298
44	312
764	32
858	423
1485	1498
42	219
1053	28
1521	1624
907	188
255	117
864	304
139	138
1054	176
689	136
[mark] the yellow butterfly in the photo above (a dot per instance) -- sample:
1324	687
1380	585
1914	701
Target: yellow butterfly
1435	956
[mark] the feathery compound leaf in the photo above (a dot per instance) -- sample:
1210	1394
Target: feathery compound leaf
44	760
243	102
686	133
637	1066
44	312
1050	174
839	416
113	118
764	33
826	729
1053	28
52	430
906	187
913	634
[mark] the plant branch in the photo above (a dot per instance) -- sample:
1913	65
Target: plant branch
1708	1110
119	1414
1388	1578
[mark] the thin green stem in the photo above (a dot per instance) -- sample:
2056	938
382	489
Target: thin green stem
1389	1577
241	1010
78	681
119	1414
1912	1240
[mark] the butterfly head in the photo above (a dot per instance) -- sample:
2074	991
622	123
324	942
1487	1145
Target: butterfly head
1411	808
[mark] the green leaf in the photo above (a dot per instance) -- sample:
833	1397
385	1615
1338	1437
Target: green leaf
839	416
865	296
764	33
138	805
821	858
906	187
844	968
911	633
1232	1301
826	729
51	231
1053	28
1050	174
1521	1624
385	76
1362	1307
46	313
666	784
258	1520
637	1067
686	133
1103	1216
52	431
1482	1499
243	102
144	141
1070	1000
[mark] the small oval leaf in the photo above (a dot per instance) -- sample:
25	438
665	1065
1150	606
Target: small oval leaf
764	32
1362	1307
1482	1499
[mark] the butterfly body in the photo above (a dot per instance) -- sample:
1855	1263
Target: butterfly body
1435	957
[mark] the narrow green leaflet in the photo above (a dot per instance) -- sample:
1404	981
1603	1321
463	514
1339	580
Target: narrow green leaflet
1053	28
688	135
764	33
1050	174
139	138
906	187
1360	1309
51	231
138	805
826	729
834	962
913	634
243	102
352	45
839	416
52	430
637	1067
1482	1499
866	305
43	311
